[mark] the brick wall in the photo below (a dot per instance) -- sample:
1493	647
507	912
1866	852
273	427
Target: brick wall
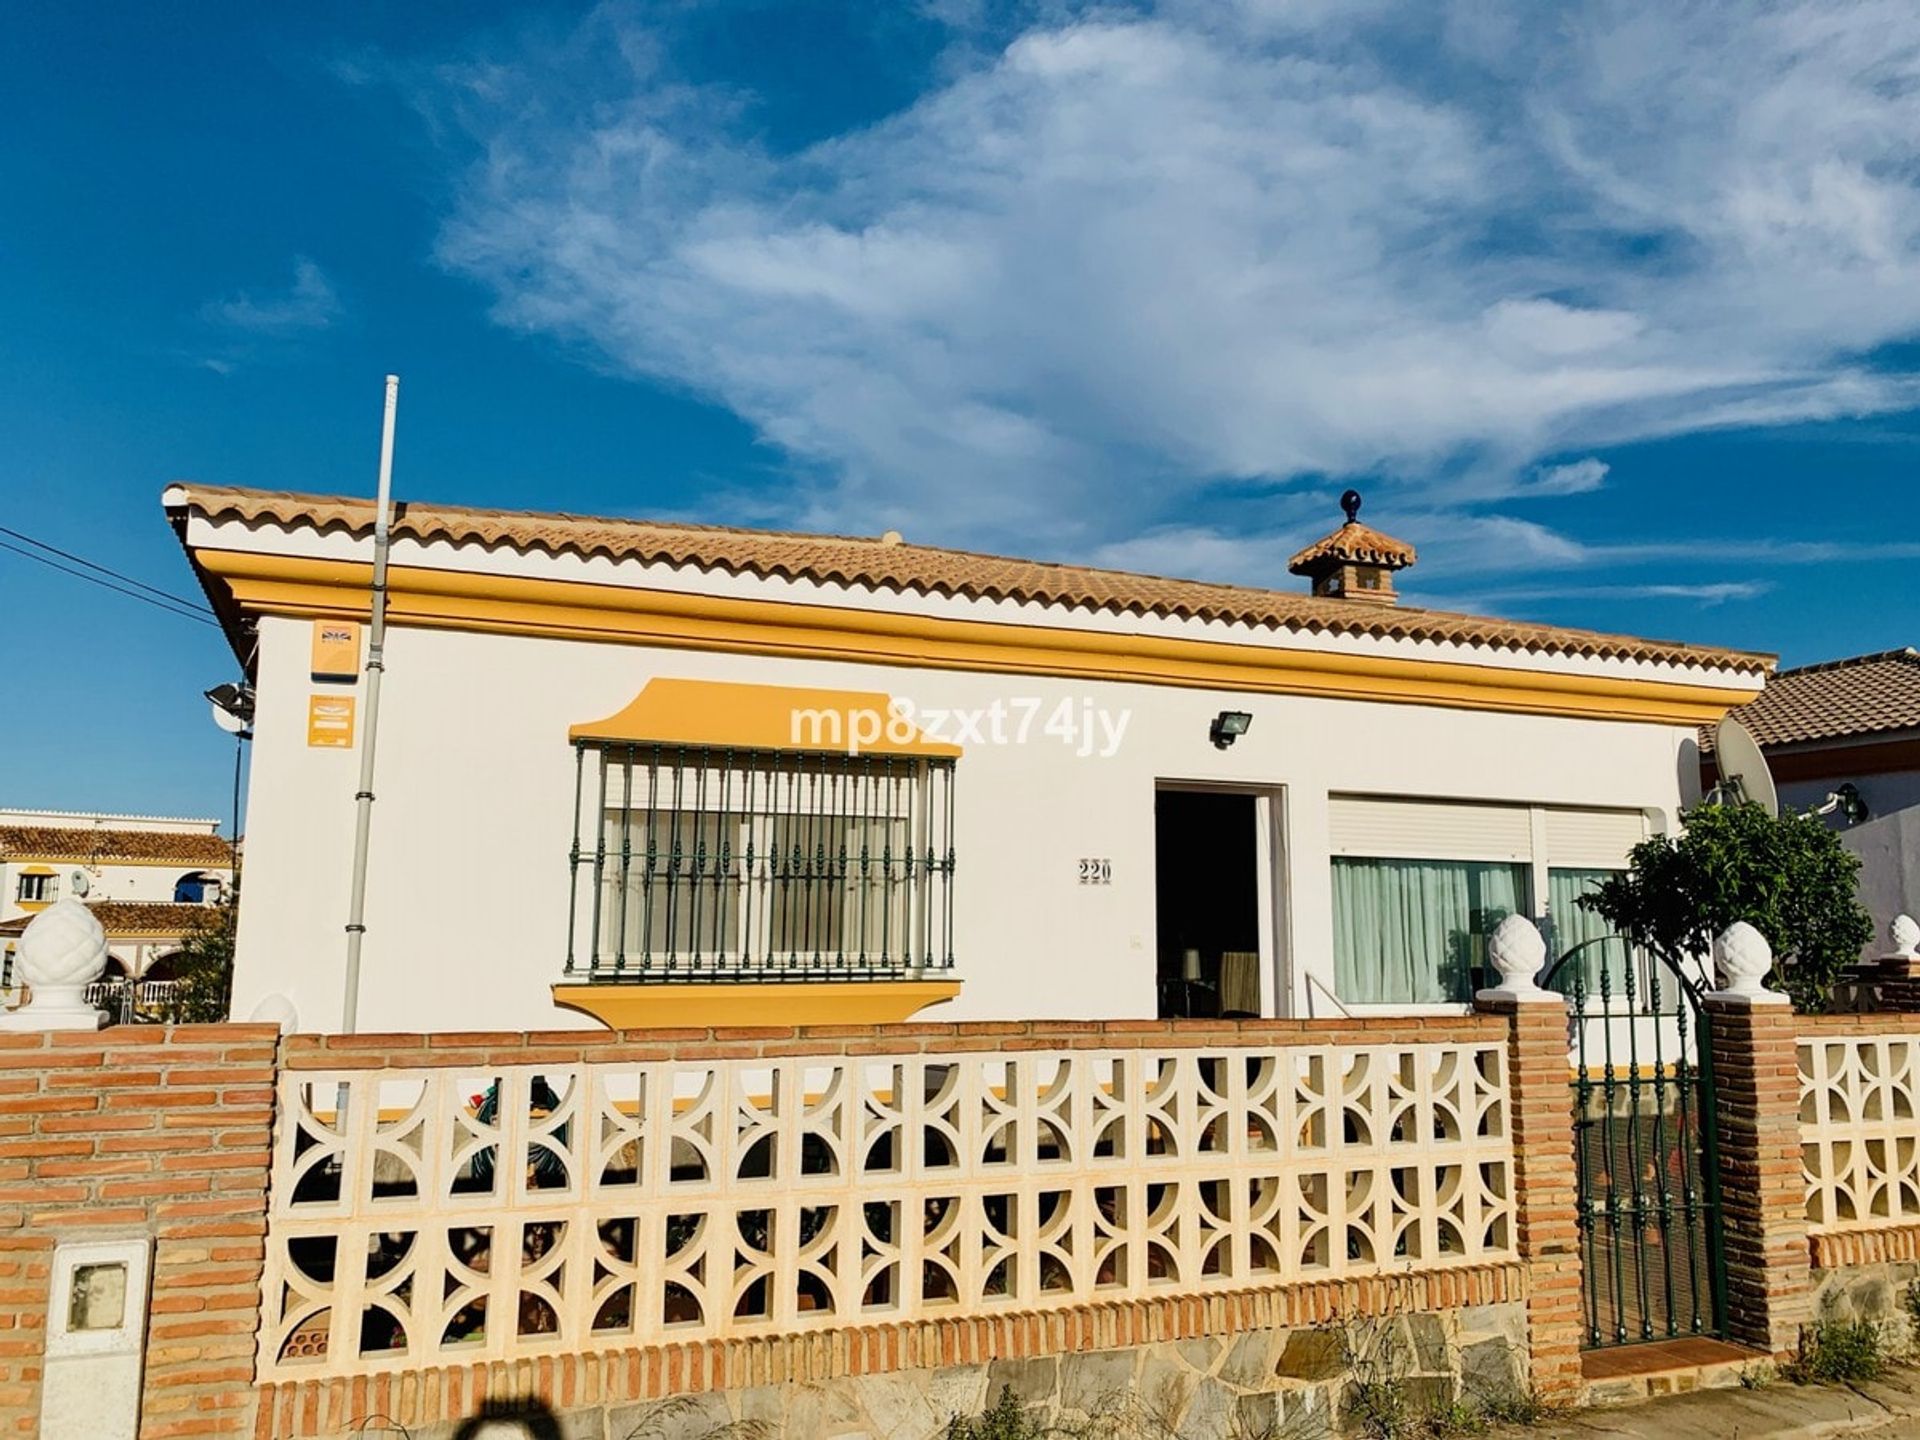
558	1047
1763	1196
1545	1189
298	1410
161	1131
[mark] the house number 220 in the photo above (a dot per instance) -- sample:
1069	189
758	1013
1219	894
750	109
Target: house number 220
1096	872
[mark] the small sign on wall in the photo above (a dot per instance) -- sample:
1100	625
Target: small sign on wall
336	651
330	722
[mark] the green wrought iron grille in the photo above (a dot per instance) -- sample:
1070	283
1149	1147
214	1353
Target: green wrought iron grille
693	863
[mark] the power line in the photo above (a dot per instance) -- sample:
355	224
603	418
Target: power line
103	569
170	605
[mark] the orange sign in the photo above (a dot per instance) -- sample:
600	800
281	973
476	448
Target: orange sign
330	721
336	650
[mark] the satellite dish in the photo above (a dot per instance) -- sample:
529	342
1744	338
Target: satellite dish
1742	767
228	721
79	884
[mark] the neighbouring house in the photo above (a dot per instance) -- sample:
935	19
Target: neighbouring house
1850	723
661	773
149	879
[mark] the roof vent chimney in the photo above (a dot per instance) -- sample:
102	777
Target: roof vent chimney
1354	562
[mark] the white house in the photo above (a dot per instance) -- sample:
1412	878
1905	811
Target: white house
664	774
148	878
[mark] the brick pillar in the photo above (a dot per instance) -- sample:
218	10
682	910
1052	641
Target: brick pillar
141	1129
1539	1081
1763	1197
1896	983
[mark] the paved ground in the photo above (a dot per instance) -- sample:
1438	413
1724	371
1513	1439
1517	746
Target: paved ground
1780	1411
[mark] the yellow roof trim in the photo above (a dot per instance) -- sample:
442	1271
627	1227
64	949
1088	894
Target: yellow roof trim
724	715
575	610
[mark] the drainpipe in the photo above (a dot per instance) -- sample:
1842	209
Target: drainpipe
376	667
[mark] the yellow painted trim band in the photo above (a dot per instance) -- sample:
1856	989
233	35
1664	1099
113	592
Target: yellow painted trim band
578	610
844	1002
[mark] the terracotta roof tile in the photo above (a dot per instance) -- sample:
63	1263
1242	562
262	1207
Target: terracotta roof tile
884	563
1355	544
78	842
1839	699
134	917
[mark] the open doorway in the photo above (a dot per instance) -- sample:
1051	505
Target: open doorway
1207	903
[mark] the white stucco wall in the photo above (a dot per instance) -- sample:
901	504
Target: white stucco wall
467	897
107	880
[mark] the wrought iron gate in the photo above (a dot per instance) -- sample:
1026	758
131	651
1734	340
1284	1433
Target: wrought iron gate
1645	1145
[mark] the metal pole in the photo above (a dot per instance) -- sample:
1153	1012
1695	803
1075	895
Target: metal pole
376	667
233	835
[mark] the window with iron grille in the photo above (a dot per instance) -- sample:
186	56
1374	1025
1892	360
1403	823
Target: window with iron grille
701	864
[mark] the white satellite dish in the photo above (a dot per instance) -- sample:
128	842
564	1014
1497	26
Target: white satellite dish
1742	767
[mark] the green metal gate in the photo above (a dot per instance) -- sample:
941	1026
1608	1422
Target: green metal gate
1645	1146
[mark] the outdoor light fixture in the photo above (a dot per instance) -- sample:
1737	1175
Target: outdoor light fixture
1228	726
232	707
1846	799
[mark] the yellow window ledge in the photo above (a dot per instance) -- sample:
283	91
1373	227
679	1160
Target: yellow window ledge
642	1006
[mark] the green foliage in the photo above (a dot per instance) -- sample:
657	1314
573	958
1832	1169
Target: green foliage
1005	1421
1757	1376
1838	1352
1790	878
203	969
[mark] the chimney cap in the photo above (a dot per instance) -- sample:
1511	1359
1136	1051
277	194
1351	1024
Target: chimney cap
1352	544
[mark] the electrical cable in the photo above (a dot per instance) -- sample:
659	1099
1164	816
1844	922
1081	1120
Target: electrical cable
172	605
103	569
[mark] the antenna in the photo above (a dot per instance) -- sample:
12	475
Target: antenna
1743	769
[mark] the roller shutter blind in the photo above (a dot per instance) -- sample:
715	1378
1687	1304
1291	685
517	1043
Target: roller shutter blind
1593	839
1429	829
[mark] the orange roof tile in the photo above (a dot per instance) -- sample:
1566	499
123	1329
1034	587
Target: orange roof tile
885	563
134	917
1354	544
80	842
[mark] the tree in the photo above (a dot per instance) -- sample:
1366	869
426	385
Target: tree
1789	877
203	967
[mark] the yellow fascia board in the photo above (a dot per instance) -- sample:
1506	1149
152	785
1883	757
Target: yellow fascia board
641	1006
581	610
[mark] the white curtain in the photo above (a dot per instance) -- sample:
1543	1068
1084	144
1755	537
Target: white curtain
1574	926
1414	931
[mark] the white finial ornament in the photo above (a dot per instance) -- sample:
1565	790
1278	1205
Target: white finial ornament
62	951
1518	952
1743	957
1904	932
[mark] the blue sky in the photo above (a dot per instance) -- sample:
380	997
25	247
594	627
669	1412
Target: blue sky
1614	315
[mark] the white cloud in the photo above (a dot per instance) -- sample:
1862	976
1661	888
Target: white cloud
1717	592
1132	254
308	304
1575	478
